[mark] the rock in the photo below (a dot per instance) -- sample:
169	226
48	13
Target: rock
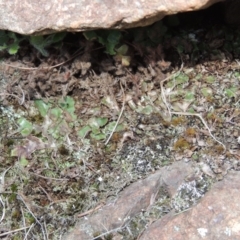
215	217
47	16
134	199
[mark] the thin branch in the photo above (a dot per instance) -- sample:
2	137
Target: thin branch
51	178
108	232
21	198
119	117
13	231
90	211
162	88
24	221
3	209
25	238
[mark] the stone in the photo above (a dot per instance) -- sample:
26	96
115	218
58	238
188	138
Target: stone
137	197
216	216
48	16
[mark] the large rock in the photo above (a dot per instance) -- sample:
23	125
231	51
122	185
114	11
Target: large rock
46	16
135	198
215	217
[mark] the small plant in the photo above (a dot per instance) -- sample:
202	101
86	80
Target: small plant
109	39
11	41
41	42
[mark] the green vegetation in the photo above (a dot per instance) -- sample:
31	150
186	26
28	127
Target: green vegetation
10	41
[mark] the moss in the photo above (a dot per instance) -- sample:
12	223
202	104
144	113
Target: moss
178	120
190	132
181	144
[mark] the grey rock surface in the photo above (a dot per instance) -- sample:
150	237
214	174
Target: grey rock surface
215	217
47	16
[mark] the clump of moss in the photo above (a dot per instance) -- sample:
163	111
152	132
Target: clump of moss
181	144
178	120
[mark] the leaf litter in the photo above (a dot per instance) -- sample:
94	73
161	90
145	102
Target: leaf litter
75	135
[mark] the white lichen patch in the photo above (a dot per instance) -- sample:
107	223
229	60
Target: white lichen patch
189	193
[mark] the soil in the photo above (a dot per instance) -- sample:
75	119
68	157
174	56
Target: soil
80	126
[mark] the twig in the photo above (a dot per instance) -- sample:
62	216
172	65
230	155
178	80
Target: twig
2	180
13	231
2	183
108	232
56	179
162	88
119	117
204	123
3	209
90	211
49	198
24	221
21	198
28	231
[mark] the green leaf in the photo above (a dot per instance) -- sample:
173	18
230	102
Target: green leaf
36	40
181	78
42	107
231	92
90	35
84	131
122	50
68	104
97	122
189	96
25	127
96	130
23	162
55	113
101	121
114	37
13	36
206	91
38	43
13	48
55	38
237	74
111	125
100	136
110	48
145	110
210	79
